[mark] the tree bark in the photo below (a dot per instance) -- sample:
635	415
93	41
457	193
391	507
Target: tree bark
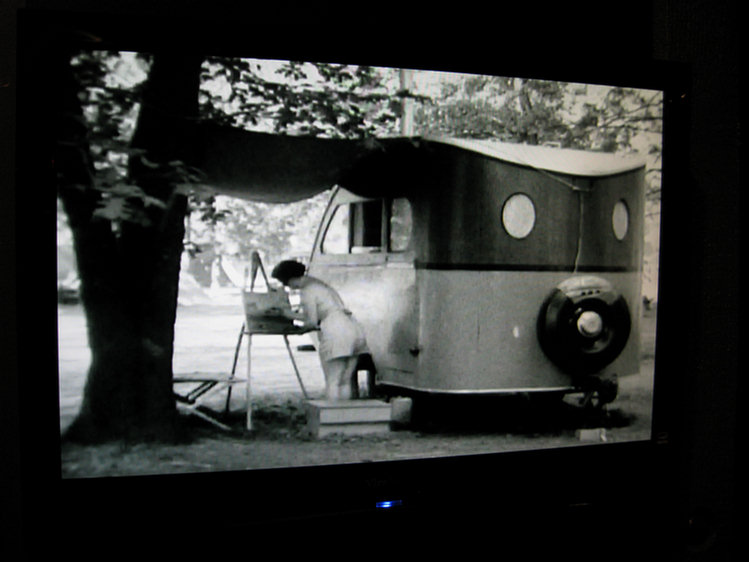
130	276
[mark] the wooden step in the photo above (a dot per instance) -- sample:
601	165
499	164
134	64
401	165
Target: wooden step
347	417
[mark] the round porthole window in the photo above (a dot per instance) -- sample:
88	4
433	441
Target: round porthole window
620	220
518	215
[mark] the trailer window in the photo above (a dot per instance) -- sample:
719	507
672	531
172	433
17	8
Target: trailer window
400	224
620	220
336	240
355	228
366	227
518	215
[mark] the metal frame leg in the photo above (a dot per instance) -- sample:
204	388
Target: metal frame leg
234	365
293	362
209	419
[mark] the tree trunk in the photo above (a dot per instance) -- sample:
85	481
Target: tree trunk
130	276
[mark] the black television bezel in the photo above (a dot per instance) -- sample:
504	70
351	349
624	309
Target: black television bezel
565	487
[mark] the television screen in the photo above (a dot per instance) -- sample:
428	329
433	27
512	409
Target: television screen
474	310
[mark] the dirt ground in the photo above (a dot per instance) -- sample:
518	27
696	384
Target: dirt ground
279	437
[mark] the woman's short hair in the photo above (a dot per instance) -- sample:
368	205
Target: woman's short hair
287	270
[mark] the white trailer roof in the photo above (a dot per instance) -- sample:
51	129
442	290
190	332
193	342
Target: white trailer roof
552	159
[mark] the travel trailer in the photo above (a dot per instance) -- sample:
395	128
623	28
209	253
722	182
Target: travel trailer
480	267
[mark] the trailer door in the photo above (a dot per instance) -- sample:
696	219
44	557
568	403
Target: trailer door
364	251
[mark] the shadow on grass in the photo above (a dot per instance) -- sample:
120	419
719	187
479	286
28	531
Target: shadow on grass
513	415
272	419
517	415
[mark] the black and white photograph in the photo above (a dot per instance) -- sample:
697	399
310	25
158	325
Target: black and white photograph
268	263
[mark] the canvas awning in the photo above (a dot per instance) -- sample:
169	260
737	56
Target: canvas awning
281	168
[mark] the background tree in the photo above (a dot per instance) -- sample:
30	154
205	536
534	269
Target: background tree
312	99
275	230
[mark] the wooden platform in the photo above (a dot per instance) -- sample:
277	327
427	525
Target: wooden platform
347	417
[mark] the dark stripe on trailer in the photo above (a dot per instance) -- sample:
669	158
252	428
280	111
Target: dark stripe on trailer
524	267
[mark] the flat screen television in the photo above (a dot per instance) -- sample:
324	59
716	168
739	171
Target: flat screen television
496	142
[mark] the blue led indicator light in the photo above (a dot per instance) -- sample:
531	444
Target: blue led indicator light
388	504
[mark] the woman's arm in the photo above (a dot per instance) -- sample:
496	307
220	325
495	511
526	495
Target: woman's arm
308	314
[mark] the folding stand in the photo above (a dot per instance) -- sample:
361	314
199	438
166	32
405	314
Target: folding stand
285	333
256	323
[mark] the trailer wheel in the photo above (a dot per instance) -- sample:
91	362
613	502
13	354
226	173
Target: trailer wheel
583	325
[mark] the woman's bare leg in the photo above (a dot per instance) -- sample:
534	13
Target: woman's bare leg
347	383
339	377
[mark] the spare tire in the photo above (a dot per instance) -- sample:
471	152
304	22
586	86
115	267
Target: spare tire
583	325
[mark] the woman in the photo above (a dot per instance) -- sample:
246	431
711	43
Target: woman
341	338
